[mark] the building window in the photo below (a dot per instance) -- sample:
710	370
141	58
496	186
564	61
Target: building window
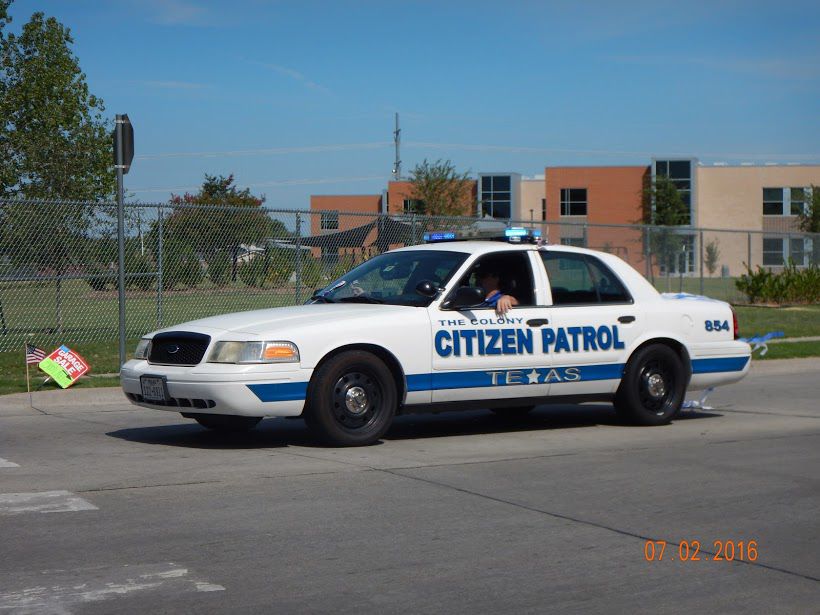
680	174
773	251
496	196
573	201
772	202
778	250
413	206
679	257
543	209
330	221
797	198
799	251
784	201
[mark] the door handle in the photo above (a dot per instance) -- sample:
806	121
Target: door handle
537	322
626	319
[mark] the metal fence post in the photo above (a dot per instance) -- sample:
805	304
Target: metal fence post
700	242
298	257
749	251
646	254
413	235
120	239
59	306
159	267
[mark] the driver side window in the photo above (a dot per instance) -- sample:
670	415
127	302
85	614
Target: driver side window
513	273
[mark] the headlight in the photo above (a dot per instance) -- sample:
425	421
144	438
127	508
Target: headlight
254	352
143	349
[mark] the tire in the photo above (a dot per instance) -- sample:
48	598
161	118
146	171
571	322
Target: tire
351	399
652	388
515	412
226	423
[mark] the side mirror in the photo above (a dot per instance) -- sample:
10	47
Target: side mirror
427	288
465	297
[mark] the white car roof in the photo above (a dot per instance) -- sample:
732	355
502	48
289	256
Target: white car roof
487	246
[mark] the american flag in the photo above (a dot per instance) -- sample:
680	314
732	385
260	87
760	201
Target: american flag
34	354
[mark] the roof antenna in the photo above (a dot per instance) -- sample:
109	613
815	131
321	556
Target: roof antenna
397	142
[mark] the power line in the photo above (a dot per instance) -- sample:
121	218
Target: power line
478	147
272	184
305	149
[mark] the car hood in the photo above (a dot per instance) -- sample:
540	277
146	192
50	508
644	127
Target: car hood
264	322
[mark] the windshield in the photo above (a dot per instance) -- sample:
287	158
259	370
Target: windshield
392	278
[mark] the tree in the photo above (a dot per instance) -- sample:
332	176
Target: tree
440	191
809	221
664	208
809	218
219	219
54	141
712	255
54	144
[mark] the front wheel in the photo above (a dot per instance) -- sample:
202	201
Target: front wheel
225	423
653	386
351	399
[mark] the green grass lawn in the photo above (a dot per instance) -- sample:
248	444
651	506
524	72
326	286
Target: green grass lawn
795	350
717	288
35	312
797	321
102	356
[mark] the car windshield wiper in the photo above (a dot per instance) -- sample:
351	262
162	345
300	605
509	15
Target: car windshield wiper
360	299
322	298
322	295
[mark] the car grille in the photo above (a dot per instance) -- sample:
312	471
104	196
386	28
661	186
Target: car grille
178	348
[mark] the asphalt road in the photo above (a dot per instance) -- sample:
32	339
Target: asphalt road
105	507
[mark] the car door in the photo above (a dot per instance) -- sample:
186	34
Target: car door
593	323
478	354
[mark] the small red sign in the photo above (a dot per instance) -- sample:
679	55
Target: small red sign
71	363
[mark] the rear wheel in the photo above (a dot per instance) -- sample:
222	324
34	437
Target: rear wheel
351	400
653	385
225	423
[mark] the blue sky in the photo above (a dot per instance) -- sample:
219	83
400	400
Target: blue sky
297	98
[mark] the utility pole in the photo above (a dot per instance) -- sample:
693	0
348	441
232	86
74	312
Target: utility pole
397	142
123	156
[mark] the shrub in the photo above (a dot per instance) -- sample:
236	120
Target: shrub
712	256
181	267
100	276
792	285
219	268
253	272
139	270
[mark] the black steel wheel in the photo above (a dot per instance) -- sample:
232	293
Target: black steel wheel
351	400
225	423
653	386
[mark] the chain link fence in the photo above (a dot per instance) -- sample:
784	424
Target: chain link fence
58	260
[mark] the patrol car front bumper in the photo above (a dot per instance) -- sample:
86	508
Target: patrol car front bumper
209	388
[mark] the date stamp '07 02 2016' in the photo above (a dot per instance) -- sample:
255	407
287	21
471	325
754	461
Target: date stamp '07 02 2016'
692	551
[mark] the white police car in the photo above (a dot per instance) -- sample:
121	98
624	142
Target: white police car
409	331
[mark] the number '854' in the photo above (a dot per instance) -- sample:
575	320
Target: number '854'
717	325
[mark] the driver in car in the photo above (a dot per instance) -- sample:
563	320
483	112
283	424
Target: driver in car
490	281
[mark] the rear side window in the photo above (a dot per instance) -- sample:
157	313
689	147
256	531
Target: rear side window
580	279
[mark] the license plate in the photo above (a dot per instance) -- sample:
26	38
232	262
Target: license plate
153	388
